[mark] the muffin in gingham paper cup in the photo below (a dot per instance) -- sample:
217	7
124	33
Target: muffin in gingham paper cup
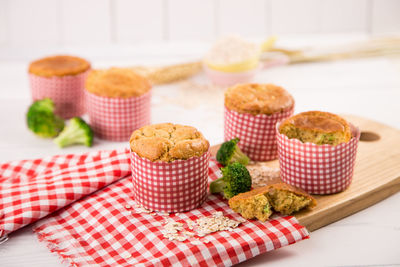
117	102
251	113
169	167
317	169
62	79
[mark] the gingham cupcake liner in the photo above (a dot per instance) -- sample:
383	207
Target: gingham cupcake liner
256	132
116	118
317	169
67	92
175	186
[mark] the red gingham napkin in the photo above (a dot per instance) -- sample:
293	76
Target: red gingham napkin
100	229
256	133
175	186
32	189
317	169
67	92
116	118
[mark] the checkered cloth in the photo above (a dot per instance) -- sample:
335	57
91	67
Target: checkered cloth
175	186
67	93
116	118
256	133
32	189
100	229
317	169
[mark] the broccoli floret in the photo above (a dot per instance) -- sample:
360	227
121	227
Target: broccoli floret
41	119
76	132
230	152
235	179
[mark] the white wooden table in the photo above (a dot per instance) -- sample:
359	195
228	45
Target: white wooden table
365	87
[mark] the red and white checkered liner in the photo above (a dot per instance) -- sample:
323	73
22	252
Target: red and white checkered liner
256	133
67	93
116	118
175	186
317	169
98	230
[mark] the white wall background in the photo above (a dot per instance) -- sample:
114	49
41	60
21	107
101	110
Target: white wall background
42	24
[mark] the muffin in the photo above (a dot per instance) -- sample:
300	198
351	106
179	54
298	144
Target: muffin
118	102
259	203
317	152
168	142
317	127
251	113
117	83
62	79
252	204
169	165
288	199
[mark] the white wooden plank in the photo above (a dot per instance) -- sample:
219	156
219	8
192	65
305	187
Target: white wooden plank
247	18
137	20
33	22
344	16
385	16
85	21
191	19
288	16
3	21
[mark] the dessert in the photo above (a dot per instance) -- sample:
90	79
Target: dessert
258	99
169	164
62	79
168	142
251	113
252	204
260	202
317	127
288	199
58	66
118	102
317	152
117	83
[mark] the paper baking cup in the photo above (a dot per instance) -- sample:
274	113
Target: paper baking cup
116	118
67	93
317	169
256	132
175	186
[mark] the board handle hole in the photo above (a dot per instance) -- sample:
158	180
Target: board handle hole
369	137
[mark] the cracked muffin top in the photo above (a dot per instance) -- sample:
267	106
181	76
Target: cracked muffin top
257	99
317	127
58	66
168	142
117	83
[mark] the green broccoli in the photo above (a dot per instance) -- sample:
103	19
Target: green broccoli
230	152
41	119
235	179
76	132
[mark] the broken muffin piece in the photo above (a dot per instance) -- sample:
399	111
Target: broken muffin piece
288	199
252	204
281	197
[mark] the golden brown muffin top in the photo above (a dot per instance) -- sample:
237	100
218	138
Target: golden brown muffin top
319	121
317	127
258	99
168	142
58	66
117	82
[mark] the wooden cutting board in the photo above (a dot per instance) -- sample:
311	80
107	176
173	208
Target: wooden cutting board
376	175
